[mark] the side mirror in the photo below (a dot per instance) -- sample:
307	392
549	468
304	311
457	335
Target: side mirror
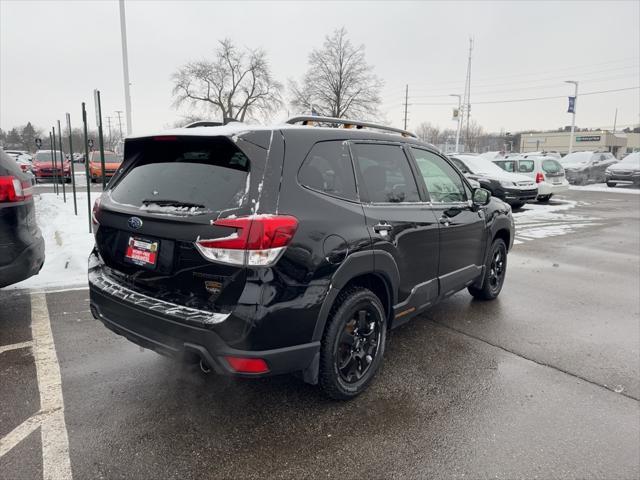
481	197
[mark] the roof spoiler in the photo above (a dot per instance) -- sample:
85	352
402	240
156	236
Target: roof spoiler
310	119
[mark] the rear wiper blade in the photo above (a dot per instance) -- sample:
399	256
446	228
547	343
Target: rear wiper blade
171	203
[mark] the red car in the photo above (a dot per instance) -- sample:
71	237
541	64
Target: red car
43	166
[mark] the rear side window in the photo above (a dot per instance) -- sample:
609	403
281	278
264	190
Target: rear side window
384	174
328	169
525	166
189	175
551	166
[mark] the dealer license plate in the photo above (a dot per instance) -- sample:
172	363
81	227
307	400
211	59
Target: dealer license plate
141	252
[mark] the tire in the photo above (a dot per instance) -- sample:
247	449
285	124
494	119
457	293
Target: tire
611	184
494	274
341	337
517	205
93	180
544	198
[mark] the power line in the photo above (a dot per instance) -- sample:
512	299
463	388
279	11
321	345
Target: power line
544	76
533	87
537	98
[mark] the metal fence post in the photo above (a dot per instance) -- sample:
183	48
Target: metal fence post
55	162
96	95
86	162
64	192
73	171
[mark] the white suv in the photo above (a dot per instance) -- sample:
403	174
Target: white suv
545	170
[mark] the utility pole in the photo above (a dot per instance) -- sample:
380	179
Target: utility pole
125	66
458	118
573	120
615	121
109	127
406	105
119	113
467	93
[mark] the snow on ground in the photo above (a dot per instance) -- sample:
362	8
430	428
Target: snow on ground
537	220
602	187
67	241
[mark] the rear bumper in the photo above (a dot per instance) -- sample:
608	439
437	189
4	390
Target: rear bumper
25	265
52	175
513	195
547	188
154	325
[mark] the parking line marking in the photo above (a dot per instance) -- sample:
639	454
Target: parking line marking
15	346
18	434
55	442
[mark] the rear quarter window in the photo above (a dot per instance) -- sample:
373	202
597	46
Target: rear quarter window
526	166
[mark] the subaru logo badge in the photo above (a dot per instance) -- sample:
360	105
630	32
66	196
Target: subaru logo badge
134	222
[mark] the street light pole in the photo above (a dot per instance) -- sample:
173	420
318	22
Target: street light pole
125	66
458	129
573	120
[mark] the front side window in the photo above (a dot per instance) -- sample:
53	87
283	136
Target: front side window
328	169
385	174
443	182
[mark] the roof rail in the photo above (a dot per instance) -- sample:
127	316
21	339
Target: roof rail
203	123
348	124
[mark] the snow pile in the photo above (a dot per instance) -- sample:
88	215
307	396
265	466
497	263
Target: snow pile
602	187
67	241
537	220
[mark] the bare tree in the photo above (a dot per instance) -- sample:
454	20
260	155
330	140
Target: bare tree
237	83
339	82
428	133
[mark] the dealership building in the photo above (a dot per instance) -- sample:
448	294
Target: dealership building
619	143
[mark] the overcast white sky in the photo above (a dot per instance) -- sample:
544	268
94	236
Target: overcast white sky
54	53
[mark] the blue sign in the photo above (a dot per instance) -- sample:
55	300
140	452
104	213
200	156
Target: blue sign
572	105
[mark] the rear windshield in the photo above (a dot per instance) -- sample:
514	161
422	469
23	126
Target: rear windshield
189	175
109	157
551	166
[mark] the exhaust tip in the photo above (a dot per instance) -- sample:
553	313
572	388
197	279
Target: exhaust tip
204	366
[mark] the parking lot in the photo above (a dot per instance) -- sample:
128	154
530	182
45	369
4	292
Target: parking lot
542	383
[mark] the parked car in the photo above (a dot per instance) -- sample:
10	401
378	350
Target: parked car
586	167
21	242
626	172
19	153
546	171
111	164
220	244
44	168
513	188
550	153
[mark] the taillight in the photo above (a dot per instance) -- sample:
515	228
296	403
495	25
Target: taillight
539	177
13	189
94	212
258	240
247	365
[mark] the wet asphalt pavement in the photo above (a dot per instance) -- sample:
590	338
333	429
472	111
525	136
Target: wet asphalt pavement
542	383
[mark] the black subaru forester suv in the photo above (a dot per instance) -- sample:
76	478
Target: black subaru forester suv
263	251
